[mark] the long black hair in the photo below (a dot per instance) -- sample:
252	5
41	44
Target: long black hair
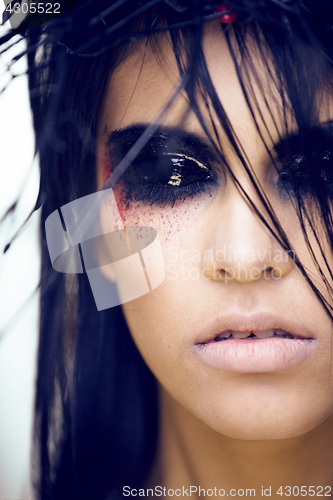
96	410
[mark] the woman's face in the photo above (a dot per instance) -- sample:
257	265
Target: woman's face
226	275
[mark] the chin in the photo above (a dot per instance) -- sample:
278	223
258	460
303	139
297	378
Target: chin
253	420
252	409
263	431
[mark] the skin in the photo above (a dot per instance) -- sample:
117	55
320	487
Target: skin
219	428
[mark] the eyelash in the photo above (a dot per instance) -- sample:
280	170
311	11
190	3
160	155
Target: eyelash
311	173
298	181
169	178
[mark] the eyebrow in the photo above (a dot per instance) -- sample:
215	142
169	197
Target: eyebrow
316	135
165	135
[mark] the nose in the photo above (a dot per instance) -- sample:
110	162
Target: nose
244	250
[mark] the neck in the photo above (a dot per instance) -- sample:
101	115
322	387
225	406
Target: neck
192	454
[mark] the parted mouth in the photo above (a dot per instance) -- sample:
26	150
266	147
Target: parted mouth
264	334
253	326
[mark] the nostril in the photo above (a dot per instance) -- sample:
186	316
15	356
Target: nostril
222	274
225	274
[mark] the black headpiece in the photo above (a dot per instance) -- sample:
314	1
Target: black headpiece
315	13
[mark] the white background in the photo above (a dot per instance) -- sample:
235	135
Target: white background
19	275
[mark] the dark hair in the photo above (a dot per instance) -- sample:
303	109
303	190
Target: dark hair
96	421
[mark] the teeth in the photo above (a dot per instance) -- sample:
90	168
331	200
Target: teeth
280	333
284	334
265	334
223	336
240	335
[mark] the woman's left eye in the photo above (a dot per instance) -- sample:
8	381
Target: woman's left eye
292	181
305	163
168	178
304	182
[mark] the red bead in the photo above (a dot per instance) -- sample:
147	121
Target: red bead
226	18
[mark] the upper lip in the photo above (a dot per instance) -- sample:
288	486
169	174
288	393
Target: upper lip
252	322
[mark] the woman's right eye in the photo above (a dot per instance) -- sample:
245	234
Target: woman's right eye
174	165
167	178
173	169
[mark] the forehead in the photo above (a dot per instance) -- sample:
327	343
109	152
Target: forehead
141	85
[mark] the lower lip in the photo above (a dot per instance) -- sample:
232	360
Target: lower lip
255	356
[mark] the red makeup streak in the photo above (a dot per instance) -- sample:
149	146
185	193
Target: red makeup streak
168	221
106	162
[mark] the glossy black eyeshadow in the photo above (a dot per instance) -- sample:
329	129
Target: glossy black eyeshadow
171	170
305	163
170	167
176	165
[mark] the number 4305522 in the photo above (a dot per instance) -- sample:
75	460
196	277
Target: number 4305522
33	8
303	491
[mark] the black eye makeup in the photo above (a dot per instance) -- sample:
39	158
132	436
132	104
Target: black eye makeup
305	163
176	165
173	166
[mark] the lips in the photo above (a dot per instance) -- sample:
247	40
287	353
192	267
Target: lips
259	342
253	326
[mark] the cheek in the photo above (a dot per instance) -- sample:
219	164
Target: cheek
168	221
